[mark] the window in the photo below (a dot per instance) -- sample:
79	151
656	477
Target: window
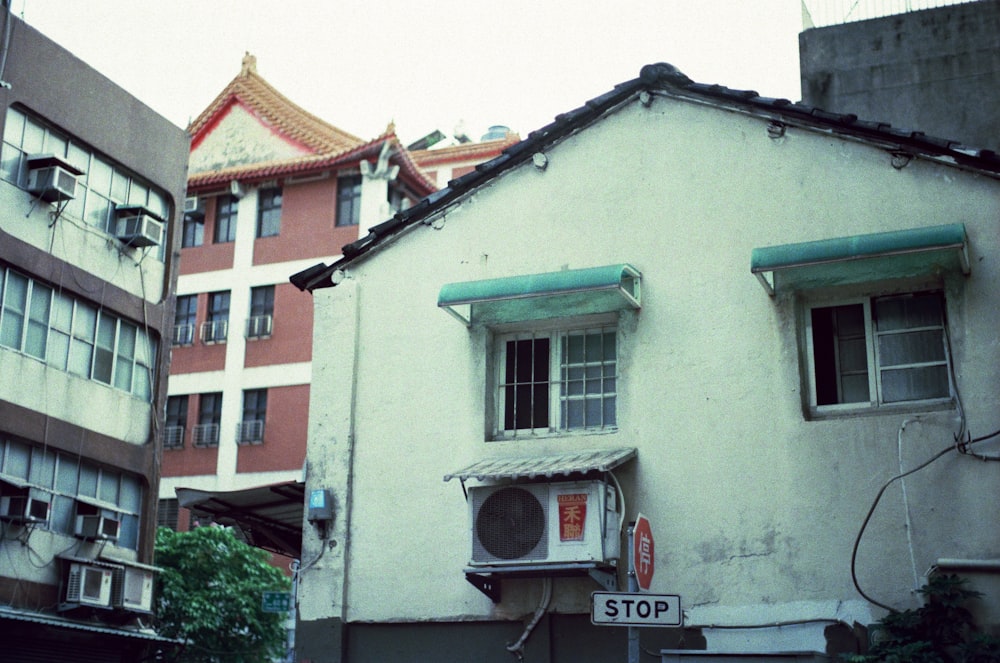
206	433
878	351
193	230
251	428
62	479
167	513
348	200
269	212
184	319
561	380
216	327
225	218
176	422
101	187
74	336
261	311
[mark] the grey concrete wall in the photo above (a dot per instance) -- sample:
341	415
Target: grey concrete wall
936	71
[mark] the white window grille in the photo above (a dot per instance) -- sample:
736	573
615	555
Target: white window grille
259	326
214	331
250	432
173	437
183	335
205	435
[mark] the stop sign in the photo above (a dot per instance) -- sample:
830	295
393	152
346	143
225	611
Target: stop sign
643	557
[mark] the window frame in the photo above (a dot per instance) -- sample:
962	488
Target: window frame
175	417
254	411
186	318
226	214
261	313
215	329
875	369
348	200
269	201
209	419
558	396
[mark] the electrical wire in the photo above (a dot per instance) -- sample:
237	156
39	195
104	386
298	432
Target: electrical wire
868	517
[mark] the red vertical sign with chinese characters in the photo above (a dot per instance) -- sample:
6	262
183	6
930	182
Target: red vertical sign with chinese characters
643	554
572	516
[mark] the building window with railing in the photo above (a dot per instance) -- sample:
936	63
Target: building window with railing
206	432
215	329
261	312
184	320
251	426
175	424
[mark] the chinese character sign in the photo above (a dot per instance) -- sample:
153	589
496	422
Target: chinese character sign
643	555
572	516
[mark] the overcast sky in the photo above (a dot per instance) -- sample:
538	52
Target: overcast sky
426	65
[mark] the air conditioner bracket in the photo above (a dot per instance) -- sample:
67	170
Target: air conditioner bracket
487	579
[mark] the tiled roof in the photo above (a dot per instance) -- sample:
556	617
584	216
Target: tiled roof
544	465
463	152
257	95
662	79
330	147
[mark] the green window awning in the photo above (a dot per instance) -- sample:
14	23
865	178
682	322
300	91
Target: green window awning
570	292
862	258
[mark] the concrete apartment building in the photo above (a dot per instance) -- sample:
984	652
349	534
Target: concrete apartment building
272	189
750	319
91	184
936	69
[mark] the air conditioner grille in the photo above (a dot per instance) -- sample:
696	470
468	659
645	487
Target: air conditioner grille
511	524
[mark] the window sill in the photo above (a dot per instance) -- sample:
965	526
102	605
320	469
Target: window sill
895	409
552	435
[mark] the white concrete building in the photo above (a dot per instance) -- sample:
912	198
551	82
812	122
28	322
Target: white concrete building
739	316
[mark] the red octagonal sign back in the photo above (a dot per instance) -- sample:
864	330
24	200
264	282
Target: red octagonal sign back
643	554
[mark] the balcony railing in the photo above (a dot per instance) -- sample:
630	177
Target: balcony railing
173	437
250	432
214	331
205	435
259	326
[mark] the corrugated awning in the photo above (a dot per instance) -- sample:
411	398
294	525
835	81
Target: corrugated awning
549	465
537	296
59	622
862	258
269	516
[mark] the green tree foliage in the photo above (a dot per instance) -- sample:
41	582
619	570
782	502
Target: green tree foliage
940	631
209	594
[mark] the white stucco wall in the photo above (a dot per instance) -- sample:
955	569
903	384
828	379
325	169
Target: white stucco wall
754	507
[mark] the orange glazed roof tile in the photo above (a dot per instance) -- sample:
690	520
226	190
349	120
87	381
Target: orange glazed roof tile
272	107
464	152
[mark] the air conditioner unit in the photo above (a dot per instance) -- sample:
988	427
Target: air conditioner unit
192	207
51	178
544	523
139	230
19	505
96	524
132	589
89	585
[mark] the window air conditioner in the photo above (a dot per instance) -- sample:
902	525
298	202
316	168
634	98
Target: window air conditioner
50	178
96	524
89	585
545	523
19	505
132	589
192	208
139	230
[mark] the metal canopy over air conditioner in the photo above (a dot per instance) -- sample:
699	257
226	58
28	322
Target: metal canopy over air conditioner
135	225
51	178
